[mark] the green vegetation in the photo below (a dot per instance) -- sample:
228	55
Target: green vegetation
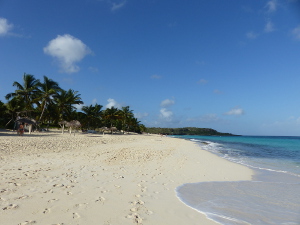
186	131
48	103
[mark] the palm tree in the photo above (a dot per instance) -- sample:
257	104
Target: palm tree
14	107
125	115
111	115
65	101
134	124
47	90
3	114
25	91
92	115
142	128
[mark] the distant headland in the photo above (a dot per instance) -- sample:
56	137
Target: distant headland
187	131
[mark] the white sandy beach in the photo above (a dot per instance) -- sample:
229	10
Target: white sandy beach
89	179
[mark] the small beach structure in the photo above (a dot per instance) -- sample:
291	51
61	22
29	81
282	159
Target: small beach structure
73	124
103	129
113	129
110	129
26	120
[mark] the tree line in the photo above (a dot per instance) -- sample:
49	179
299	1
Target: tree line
186	131
47	103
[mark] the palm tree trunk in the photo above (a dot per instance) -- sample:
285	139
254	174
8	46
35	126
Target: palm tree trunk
8	122
43	111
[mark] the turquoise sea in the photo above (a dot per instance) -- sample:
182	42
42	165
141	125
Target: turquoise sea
273	195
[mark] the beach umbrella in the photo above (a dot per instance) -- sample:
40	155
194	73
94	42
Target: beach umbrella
26	120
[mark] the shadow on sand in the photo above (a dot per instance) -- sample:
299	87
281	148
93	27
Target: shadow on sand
9	133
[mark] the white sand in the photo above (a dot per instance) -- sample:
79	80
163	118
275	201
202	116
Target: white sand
89	179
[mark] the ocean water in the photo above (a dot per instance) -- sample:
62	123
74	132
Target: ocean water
273	195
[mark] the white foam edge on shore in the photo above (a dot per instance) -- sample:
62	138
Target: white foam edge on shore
214	145
202	212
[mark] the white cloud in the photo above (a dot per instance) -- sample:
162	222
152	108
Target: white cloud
116	6
167	103
235	112
166	114
93	69
271	6
157	77
140	115
269	27
296	33
113	103
218	92
202	81
94	101
5	27
252	35
78	107
68	50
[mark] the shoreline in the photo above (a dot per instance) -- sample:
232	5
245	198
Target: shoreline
253	201
54	178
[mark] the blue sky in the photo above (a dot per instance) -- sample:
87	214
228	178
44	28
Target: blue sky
228	65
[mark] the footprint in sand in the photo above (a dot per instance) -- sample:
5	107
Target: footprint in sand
3	190
81	205
49	191
28	222
134	209
136	217
22	197
46	211
16	184
143	189
140	202
100	199
149	212
11	206
69	186
76	216
69	193
53	200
